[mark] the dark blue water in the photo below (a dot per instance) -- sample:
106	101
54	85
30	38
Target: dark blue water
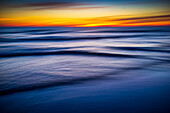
84	70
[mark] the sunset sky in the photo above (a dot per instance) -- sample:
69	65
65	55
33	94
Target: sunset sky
84	13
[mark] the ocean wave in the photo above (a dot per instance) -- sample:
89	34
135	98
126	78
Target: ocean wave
98	56
65	38
149	49
76	80
66	52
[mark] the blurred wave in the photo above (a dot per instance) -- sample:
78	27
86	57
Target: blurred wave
40	57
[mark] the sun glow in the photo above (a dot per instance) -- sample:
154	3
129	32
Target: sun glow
83	15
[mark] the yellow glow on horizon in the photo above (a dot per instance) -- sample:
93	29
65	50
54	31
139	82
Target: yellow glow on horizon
87	17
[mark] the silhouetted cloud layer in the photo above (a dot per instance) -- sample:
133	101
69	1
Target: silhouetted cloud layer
146	17
57	5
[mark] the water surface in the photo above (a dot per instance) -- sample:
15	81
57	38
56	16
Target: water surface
86	70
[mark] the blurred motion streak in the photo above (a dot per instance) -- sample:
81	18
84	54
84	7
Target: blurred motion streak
85	14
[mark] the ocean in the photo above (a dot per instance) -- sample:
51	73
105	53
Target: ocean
85	69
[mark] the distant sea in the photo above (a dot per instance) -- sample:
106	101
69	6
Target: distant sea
84	69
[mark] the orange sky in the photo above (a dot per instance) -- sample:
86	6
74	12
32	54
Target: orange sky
83	14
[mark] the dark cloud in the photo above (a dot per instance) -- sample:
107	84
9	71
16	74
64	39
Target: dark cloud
81	8
160	17
51	5
146	17
130	20
148	21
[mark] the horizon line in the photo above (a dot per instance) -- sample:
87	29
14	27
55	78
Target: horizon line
87	26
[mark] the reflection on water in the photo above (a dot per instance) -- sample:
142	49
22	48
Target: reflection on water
41	58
